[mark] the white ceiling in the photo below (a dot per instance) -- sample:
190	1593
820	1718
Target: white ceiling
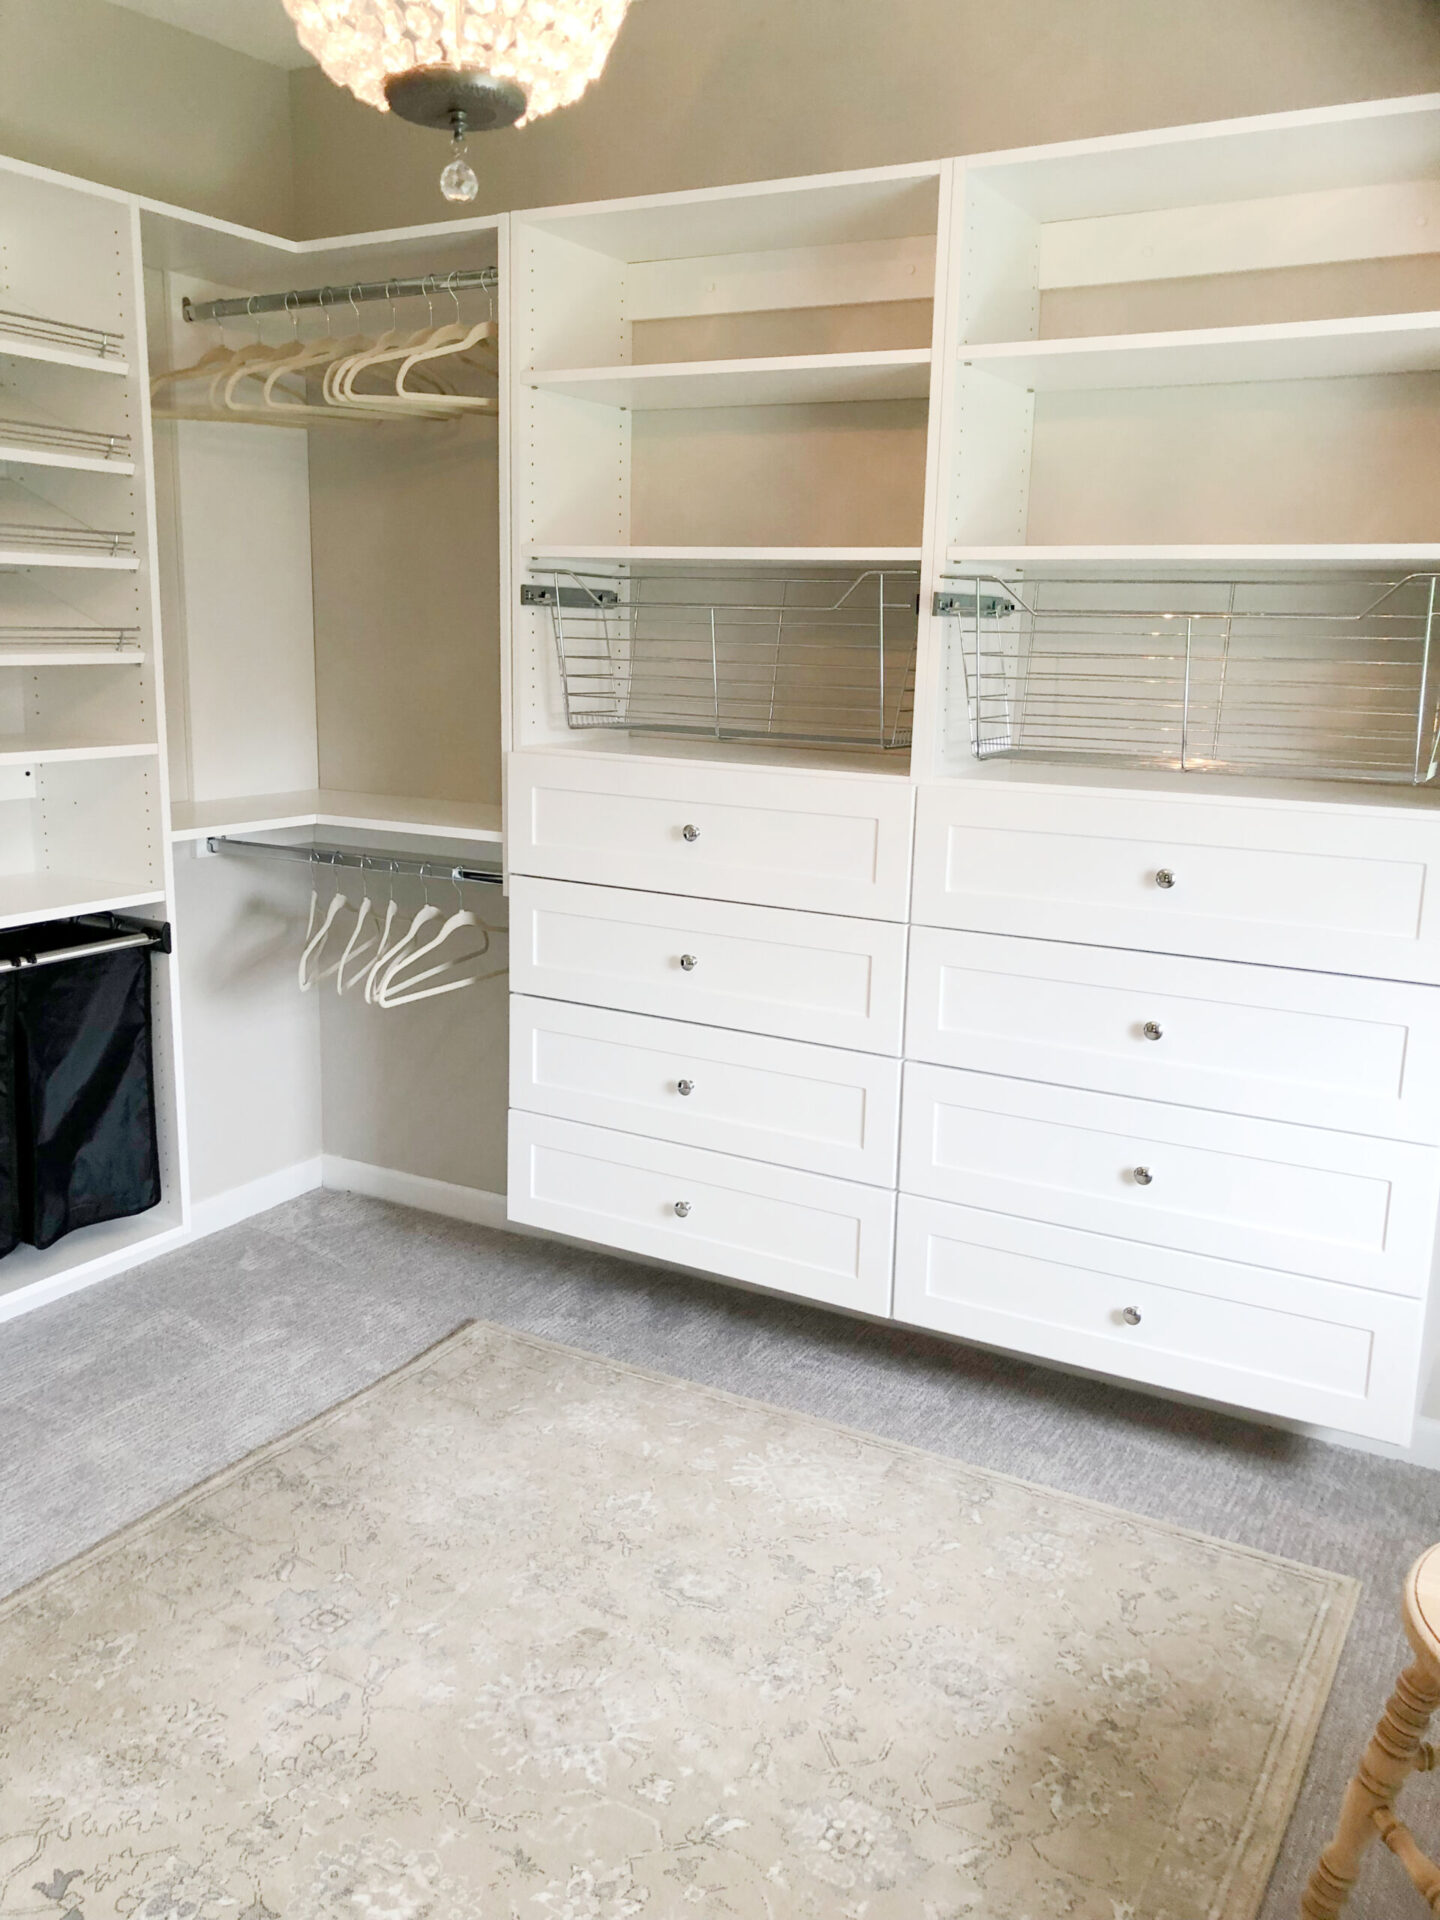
260	28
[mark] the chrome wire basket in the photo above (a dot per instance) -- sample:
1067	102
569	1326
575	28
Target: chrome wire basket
1318	678
815	659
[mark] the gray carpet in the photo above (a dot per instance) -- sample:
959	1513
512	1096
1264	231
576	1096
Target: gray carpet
119	1398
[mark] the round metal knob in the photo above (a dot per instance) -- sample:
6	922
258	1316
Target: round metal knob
688	962
682	1209
1143	1176
1131	1316
1153	1030
691	834
1165	877
686	1087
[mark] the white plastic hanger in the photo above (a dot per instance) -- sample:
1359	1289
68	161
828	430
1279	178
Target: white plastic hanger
315	939
355	948
382	960
399	986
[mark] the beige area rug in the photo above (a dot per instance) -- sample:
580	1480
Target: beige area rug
523	1634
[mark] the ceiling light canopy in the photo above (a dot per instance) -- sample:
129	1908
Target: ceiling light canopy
466	65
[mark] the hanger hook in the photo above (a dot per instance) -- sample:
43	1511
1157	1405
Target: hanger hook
454	295
250	314
350	293
292	307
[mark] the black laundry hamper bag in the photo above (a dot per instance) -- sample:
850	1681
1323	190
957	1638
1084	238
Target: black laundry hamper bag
77	1091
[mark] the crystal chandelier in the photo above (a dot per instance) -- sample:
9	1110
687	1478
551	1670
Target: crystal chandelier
464	65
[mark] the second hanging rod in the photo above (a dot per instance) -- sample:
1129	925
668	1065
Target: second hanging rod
476	279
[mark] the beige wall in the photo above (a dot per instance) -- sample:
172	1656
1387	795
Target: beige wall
113	96
699	93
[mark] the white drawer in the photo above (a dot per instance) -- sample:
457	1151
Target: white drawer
803	976
827	1240
1319	1049
1336	1206
1342	1357
825	842
1346	890
780	1101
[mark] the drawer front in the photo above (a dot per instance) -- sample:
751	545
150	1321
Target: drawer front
828	1240
1319	1049
1298	1199
823	842
1343	890
801	976
1342	1357
817	1108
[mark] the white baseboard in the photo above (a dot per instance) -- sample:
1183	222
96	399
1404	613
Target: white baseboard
473	1204
228	1209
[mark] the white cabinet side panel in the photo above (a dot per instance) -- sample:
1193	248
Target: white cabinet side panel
244	526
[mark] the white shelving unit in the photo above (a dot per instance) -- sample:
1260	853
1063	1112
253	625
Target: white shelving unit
82	771
662	418
1133	385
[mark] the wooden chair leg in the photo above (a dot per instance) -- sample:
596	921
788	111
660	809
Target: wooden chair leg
1392	1755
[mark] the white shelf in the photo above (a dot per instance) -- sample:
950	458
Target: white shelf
14	348
26	898
54	457
357	812
797	380
1403	558
31	1277
99	562
1217	356
17	751
93	653
733	556
21	508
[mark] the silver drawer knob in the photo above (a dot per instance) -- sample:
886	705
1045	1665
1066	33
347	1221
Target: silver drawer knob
1143	1176
1131	1316
692	834
1165	878
687	1087
688	962
1153	1030
682	1209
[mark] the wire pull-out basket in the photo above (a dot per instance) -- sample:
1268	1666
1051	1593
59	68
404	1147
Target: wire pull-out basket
1317	678
814	659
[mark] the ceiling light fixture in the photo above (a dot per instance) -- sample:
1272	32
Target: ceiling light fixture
463	65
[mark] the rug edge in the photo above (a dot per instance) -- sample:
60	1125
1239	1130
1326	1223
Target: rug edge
1255	1863
472	1328
143	1523
466	1331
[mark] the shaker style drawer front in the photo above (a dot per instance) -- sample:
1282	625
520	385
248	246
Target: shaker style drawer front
802	976
1343	889
1359	1055
827	1240
780	1101
1297	1199
1338	1356
821	842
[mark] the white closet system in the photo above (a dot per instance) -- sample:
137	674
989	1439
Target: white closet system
972	714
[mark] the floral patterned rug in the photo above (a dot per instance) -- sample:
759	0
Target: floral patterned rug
523	1634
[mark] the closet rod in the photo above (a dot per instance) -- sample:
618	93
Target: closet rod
140	933
483	279
370	862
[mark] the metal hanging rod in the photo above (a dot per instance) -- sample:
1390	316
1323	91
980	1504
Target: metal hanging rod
481	279
126	933
363	858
